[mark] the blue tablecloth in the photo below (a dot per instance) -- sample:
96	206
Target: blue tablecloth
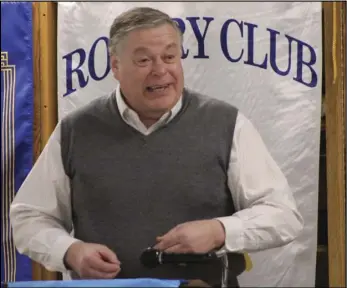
139	282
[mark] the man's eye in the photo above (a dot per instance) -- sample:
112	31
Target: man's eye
144	60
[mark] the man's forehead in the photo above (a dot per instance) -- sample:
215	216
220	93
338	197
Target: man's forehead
159	35
145	48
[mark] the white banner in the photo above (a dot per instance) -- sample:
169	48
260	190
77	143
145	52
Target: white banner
265	58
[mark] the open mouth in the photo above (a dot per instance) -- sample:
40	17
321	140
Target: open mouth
157	88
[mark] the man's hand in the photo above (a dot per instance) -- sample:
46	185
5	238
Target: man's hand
92	261
193	237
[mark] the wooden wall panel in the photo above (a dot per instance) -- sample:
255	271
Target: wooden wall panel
335	85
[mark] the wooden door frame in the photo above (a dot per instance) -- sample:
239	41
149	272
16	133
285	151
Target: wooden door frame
335	93
45	90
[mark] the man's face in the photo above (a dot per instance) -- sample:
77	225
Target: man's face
149	69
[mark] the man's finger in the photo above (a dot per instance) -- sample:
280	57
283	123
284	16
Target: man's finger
175	249
95	274
159	238
167	241
100	265
108	255
167	234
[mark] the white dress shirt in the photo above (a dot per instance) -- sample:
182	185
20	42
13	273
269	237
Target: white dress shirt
267	215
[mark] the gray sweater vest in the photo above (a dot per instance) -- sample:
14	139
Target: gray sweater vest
128	188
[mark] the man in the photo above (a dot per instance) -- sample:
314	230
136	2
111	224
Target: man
152	164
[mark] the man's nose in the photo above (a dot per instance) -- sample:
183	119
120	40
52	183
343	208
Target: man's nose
159	68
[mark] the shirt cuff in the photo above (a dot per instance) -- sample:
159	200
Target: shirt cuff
234	234
59	249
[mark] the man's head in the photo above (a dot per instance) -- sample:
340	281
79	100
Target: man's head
145	49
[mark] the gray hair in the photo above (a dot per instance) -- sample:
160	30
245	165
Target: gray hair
137	18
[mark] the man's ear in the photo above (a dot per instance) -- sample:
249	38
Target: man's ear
115	66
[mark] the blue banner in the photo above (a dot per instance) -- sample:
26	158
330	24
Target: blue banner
17	111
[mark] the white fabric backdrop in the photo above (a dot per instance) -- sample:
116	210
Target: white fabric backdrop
285	109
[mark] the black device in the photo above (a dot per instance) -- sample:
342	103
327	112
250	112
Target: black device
151	258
